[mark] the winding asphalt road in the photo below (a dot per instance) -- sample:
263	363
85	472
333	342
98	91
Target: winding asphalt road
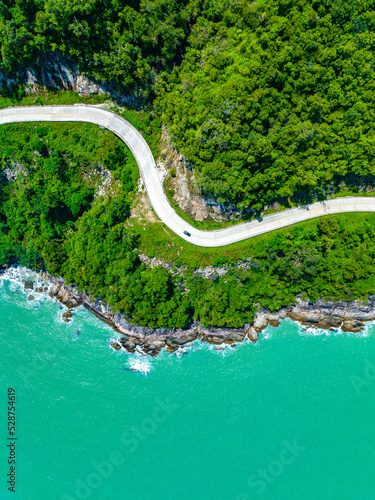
146	163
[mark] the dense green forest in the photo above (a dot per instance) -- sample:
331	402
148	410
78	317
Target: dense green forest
268	100
127	42
50	217
277	100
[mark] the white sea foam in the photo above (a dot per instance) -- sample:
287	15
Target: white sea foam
267	333
116	336
16	277
140	364
12	281
218	348
315	332
18	274
183	350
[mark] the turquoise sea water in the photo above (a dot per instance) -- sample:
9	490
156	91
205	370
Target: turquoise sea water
291	417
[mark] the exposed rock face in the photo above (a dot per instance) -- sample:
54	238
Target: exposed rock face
13	170
273	206
211	272
260	322
67	316
55	71
29	285
323	314
251	333
350	316
181	179
220	335
150	340
154	262
106	186
154	339
208	273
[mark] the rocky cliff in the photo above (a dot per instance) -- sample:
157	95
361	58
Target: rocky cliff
180	179
53	71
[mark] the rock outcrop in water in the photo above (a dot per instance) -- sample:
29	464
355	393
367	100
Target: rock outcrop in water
151	340
327	315
349	316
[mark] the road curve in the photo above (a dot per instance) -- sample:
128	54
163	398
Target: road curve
146	163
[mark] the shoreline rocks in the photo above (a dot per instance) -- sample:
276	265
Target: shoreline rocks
29	285
150	340
348	316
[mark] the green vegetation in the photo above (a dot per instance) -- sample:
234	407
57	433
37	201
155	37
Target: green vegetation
18	97
50	217
126	42
283	97
272	99
269	100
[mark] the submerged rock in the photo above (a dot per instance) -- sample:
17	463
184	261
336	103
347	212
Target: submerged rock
29	285
116	346
353	326
67	316
30	297
220	348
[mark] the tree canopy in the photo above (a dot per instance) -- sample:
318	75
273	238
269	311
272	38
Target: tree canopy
272	99
269	99
52	217
126	42
276	99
